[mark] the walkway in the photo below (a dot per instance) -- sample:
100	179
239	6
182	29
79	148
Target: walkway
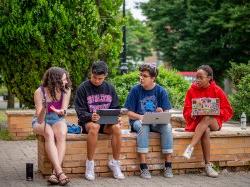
14	155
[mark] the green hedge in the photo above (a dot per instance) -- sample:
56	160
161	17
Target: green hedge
35	35
240	100
175	85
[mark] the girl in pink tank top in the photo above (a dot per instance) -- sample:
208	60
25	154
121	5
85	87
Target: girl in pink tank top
55	111
51	102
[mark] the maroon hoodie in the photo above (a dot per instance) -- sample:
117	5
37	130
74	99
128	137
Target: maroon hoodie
212	91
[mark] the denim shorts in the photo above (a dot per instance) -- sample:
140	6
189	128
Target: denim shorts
51	119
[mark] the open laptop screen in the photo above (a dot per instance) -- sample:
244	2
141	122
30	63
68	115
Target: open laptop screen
205	106
108	116
156	118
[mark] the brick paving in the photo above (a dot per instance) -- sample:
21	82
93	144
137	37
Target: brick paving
14	155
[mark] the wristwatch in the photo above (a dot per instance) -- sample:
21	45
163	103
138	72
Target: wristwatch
64	112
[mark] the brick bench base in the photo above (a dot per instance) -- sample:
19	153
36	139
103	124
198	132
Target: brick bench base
230	147
19	122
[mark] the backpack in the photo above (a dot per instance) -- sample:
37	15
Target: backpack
73	128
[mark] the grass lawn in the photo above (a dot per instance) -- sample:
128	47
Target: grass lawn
4	134
3	90
3	117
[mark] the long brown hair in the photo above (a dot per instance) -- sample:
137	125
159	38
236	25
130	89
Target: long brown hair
52	80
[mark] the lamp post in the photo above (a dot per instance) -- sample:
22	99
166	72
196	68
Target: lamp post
124	65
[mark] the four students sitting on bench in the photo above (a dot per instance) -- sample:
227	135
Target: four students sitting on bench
147	96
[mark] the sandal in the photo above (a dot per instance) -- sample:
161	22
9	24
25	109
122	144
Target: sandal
53	179
63	181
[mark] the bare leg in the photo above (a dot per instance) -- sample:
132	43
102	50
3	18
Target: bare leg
116	139
50	146
142	157
205	144
206	122
60	131
92	138
168	157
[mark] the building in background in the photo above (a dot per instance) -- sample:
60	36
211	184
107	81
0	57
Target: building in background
190	76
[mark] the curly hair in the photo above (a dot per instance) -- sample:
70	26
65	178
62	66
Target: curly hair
151	68
52	79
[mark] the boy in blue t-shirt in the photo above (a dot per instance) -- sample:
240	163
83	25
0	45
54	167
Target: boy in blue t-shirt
149	97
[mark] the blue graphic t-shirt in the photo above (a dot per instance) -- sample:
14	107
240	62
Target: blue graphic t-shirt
141	101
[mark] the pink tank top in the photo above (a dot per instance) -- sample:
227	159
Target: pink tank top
56	104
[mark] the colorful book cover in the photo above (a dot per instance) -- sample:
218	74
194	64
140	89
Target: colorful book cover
205	106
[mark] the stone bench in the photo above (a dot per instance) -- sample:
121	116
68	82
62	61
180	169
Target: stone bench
230	147
19	122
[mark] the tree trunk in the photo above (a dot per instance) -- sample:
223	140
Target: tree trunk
11	100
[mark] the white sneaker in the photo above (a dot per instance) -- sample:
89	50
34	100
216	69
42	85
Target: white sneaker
168	173
114	166
210	170
188	152
90	173
145	173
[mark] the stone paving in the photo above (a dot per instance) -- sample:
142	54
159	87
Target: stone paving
14	155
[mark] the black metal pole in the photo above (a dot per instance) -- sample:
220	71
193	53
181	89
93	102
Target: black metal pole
124	65
124	34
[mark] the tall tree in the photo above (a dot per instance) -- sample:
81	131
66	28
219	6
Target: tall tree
190	32
139	39
38	34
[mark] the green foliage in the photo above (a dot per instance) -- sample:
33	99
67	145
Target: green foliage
4	134
238	71
190	32
123	84
36	35
175	85
139	39
1	81
216	166
3	118
3	90
31	137
240	100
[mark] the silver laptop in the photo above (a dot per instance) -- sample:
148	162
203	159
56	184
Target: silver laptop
108	116
156	118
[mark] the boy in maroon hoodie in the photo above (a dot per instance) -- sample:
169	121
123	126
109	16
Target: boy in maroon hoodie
205	87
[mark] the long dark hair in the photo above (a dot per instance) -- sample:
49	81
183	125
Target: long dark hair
52	79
